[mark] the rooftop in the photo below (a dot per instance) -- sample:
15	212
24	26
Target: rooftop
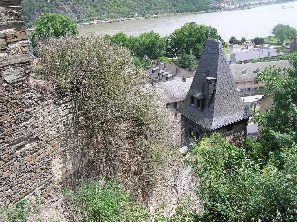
213	79
249	71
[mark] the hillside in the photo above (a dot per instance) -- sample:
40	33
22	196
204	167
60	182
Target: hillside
84	10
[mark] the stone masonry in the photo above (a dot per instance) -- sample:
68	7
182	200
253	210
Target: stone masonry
31	125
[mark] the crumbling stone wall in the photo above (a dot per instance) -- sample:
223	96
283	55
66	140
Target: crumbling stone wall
40	150
31	126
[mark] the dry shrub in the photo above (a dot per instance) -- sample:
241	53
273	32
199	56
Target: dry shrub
117	125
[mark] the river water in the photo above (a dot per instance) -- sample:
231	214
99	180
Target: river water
249	23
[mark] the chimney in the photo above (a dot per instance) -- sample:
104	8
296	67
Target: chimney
184	79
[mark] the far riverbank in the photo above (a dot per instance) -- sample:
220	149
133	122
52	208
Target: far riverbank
255	22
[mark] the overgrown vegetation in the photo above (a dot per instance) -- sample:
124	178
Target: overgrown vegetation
122	123
108	201
185	44
16	213
259	180
52	25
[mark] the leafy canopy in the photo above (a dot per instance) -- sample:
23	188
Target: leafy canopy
235	188
190	38
53	25
259	180
284	32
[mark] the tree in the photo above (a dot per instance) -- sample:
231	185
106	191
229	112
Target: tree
258	41
259	180
279	124
187	61
122	39
233	40
243	40
235	188
53	25
284	32
190	38
149	44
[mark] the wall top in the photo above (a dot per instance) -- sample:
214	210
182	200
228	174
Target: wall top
10	15
10	2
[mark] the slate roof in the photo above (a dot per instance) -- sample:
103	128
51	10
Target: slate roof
249	71
172	91
170	70
213	78
256	53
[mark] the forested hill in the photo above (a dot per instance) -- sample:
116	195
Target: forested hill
85	10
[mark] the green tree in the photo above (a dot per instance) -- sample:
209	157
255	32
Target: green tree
233	187
233	40
190	38
243	40
53	25
149	44
187	61
284	32
258	41
122	39
279	124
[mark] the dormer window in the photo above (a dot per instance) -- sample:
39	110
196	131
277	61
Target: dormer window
197	101
193	101
198	104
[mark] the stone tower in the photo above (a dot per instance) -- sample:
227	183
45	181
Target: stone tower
212	103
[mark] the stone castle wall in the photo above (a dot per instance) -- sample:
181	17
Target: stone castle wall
40	150
32	122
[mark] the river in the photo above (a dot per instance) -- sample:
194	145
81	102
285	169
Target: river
250	23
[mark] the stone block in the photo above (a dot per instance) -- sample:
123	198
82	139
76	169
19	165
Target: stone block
17	25
13	60
10	3
12	35
10	14
3	44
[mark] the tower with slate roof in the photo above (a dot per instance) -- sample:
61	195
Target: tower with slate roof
212	103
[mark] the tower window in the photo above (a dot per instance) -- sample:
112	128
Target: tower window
230	128
198	103
192	101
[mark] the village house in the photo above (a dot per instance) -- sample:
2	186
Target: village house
172	85
167	71
174	90
212	103
252	54
245	75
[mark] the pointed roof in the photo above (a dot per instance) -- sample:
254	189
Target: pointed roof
214	86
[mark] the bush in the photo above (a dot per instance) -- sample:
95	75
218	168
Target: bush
109	107
258	41
106	202
17	213
187	61
52	25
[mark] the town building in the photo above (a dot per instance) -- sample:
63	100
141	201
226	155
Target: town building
167	71
252	54
212	103
245	75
